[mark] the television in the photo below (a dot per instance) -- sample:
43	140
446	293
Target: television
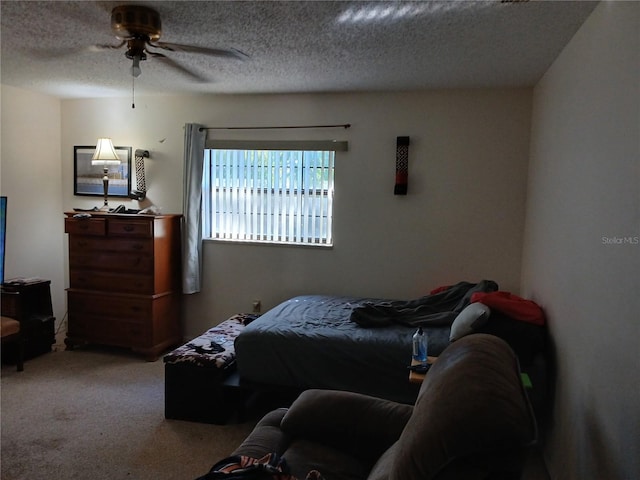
3	234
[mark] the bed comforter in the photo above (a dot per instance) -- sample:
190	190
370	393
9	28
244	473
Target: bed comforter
310	342
348	343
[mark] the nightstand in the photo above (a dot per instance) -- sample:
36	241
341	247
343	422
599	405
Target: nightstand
29	302
415	377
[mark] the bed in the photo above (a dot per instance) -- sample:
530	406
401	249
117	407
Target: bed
347	343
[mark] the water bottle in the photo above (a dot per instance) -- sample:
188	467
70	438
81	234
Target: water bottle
420	346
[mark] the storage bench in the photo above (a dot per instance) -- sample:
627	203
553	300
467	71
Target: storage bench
195	374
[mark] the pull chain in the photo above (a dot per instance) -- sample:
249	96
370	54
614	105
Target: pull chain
133	91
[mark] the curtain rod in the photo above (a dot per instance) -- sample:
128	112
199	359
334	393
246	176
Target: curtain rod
344	125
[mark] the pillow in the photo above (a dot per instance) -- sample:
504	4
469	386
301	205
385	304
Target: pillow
469	320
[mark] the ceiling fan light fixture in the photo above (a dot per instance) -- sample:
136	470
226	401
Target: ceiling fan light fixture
129	21
135	48
136	71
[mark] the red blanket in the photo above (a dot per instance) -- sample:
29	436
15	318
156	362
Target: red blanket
511	305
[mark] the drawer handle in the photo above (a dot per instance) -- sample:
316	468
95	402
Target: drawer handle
83	243
138	246
128	228
135	309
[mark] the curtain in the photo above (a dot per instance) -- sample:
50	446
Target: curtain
194	139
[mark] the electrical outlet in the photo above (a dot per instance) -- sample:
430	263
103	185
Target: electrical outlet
256	306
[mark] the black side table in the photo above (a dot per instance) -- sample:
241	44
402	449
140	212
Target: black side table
30	304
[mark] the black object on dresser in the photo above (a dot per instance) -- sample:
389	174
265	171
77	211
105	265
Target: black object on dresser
124	281
30	304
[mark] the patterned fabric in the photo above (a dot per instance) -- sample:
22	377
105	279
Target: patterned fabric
240	467
215	347
141	184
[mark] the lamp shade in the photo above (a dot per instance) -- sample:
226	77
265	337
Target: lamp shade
105	154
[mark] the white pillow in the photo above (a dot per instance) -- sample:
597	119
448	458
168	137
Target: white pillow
469	320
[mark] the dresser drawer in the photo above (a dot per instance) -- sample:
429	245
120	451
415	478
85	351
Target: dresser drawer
110	282
110	330
130	228
85	226
109	261
129	308
79	244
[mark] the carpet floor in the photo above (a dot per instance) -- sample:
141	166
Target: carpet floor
98	414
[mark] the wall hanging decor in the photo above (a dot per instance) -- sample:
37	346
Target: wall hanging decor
88	174
140	192
402	166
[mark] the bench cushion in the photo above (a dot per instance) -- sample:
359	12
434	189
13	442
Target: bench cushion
215	347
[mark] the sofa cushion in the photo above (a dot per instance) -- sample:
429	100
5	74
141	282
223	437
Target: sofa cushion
361	425
458	416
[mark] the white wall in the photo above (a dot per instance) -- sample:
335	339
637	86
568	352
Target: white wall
584	196
462	220
31	179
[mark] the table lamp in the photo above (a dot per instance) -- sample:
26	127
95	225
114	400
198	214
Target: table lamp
105	155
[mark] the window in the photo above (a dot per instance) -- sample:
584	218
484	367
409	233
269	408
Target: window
273	194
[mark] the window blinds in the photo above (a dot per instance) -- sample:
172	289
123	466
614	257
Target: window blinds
269	195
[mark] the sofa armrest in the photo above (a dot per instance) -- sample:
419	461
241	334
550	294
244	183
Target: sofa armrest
266	437
362	425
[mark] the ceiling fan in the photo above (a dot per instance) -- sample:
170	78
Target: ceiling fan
139	28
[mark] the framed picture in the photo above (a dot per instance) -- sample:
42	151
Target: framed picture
87	178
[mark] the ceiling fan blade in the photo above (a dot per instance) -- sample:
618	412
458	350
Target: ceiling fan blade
216	52
53	53
176	66
102	47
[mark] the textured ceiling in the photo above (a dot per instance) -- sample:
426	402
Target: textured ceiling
299	46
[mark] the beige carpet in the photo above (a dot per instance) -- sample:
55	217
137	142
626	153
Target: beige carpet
97	414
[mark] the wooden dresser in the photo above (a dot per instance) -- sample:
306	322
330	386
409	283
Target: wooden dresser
124	281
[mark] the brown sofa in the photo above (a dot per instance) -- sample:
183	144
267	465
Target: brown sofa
472	420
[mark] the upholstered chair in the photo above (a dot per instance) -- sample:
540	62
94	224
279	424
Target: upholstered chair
472	420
